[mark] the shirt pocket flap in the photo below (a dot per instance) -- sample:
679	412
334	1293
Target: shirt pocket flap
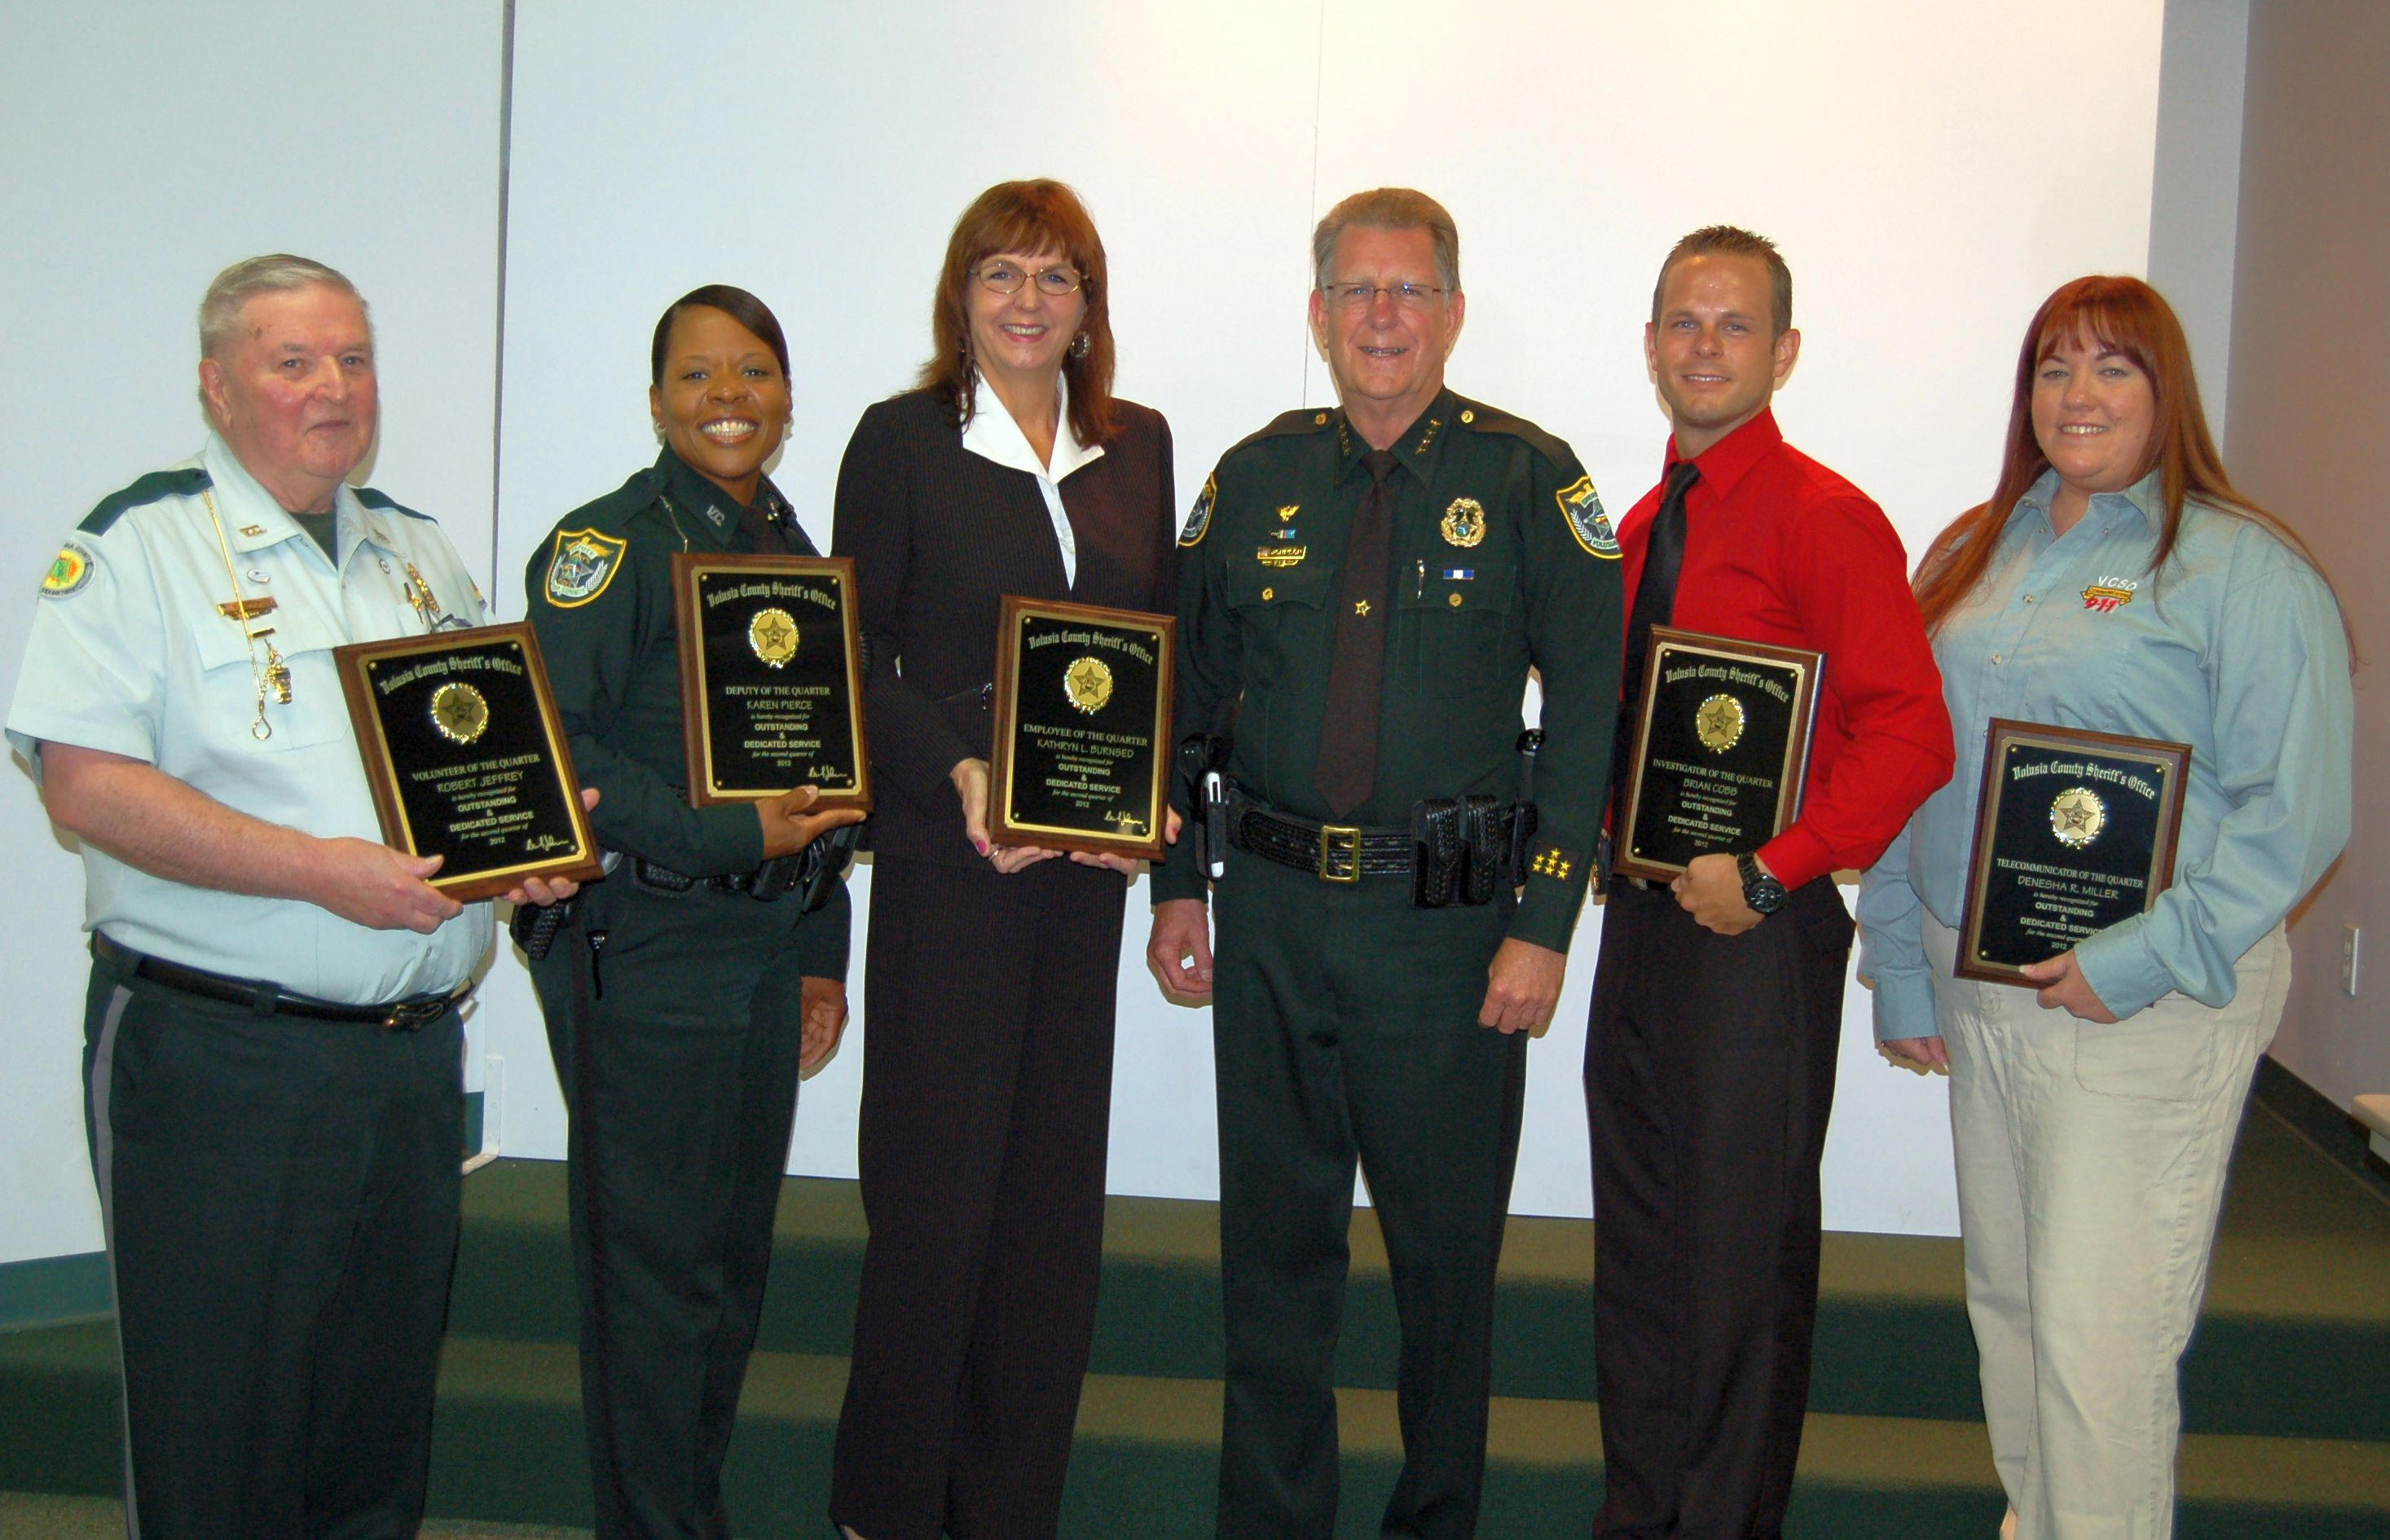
1264	587
221	641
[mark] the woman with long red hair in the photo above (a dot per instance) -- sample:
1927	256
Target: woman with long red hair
2115	581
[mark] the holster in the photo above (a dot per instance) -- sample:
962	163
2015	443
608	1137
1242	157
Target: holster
537	926
831	856
1203	767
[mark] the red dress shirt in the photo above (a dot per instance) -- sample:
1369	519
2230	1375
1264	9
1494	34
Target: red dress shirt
1778	548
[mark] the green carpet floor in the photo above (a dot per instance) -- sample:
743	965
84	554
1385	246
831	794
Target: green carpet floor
2286	1388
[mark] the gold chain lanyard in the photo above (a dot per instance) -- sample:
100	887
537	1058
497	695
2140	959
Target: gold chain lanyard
274	672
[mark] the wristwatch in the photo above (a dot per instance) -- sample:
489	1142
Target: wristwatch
1763	892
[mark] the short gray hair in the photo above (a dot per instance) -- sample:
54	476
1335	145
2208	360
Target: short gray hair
275	273
1390	208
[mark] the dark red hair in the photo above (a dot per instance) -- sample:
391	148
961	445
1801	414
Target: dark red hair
2127	317
1028	217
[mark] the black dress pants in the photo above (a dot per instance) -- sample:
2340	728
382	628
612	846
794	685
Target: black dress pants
1709	1076
280	1200
987	1066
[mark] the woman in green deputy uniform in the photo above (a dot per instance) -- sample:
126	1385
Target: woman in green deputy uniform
681	1007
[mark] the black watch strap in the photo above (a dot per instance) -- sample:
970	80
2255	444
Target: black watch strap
1763	892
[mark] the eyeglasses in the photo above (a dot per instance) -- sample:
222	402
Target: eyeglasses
1006	278
1358	297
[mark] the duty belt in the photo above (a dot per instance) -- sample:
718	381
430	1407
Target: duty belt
412	1014
657	878
1333	853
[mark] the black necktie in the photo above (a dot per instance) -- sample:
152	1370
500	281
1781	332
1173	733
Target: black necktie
1347	768
1656	601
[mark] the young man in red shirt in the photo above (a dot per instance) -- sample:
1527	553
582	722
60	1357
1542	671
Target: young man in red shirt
1709	1066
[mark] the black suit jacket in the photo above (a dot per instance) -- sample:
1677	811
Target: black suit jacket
939	536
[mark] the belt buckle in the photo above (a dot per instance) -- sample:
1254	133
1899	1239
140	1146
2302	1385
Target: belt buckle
1332	838
413	1015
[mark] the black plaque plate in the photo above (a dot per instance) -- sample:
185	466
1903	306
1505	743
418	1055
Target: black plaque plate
1082	750
465	758
1721	750
771	678
2074	830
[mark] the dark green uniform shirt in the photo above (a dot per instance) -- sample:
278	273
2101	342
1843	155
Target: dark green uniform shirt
600	597
1502	559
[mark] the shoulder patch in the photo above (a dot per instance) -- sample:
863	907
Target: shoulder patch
1582	507
155	487
1478	418
1199	518
384	501
70	573
583	563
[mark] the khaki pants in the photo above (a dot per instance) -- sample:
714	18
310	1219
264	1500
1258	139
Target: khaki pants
2091	1164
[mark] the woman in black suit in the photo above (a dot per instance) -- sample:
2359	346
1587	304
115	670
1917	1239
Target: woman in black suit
990	970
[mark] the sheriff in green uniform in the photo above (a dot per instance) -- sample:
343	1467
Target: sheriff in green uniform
1370	586
681	1001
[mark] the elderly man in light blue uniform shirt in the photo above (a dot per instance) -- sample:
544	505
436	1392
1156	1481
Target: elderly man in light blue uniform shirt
272	1050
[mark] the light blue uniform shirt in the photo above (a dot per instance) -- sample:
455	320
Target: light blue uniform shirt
131	654
2235	649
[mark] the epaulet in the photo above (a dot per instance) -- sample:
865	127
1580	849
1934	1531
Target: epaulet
619	509
388	504
155	487
1480	419
1308	419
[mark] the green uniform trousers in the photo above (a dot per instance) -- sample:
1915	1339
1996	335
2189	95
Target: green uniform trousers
1345	1024
280	1197
675	1041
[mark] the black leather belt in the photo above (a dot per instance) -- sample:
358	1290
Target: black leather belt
659	878
412	1014
1333	853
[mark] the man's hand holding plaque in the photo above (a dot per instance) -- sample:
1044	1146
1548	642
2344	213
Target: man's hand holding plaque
1082	750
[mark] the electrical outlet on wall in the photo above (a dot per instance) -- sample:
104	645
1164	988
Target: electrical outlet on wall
2351	946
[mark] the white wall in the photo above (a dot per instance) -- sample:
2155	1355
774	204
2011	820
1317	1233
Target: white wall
142	147
1929	173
